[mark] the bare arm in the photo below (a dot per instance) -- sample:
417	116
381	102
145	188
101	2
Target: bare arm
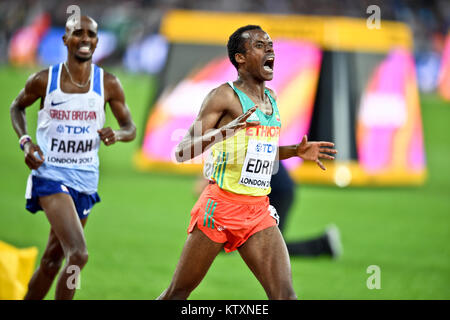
312	151
34	89
203	132
116	98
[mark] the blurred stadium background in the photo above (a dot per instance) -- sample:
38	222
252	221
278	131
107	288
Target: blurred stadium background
390	199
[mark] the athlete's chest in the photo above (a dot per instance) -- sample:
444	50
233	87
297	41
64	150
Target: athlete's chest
265	106
69	88
63	95
74	101
73	110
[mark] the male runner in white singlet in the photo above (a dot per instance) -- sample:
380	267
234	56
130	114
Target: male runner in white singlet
64	161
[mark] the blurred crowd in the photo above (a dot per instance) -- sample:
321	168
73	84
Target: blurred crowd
132	22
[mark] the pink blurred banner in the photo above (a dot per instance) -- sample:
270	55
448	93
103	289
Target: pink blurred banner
389	126
444	76
296	73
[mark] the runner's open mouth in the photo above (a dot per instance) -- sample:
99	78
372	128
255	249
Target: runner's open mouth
268	64
84	49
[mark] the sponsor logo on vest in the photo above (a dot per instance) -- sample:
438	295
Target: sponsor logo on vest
265	147
58	103
73	129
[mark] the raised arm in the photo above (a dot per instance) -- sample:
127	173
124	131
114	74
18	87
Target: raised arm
204	131
34	89
115	96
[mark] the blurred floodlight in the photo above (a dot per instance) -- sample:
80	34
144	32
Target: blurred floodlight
342	176
428	65
147	56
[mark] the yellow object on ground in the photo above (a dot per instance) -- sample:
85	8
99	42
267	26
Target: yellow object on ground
16	269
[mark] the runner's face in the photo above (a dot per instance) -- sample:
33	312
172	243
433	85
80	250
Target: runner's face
81	42
259	57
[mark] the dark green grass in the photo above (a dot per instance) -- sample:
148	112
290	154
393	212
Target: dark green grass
135	235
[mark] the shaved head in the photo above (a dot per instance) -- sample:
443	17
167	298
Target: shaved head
72	23
80	37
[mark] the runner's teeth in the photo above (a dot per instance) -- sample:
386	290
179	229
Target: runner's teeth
269	63
267	68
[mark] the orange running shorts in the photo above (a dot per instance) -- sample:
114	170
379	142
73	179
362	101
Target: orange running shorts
229	218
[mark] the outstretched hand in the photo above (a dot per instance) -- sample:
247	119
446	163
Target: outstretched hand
241	121
314	151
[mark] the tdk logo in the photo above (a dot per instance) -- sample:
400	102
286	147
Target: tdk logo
264	147
73	129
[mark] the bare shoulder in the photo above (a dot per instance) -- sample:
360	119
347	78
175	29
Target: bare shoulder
37	82
112	85
111	80
223	92
272	93
222	97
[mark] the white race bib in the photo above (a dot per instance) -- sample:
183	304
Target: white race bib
72	145
258	164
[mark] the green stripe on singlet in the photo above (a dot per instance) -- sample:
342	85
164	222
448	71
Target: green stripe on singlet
207	208
215	171
219	166
224	168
